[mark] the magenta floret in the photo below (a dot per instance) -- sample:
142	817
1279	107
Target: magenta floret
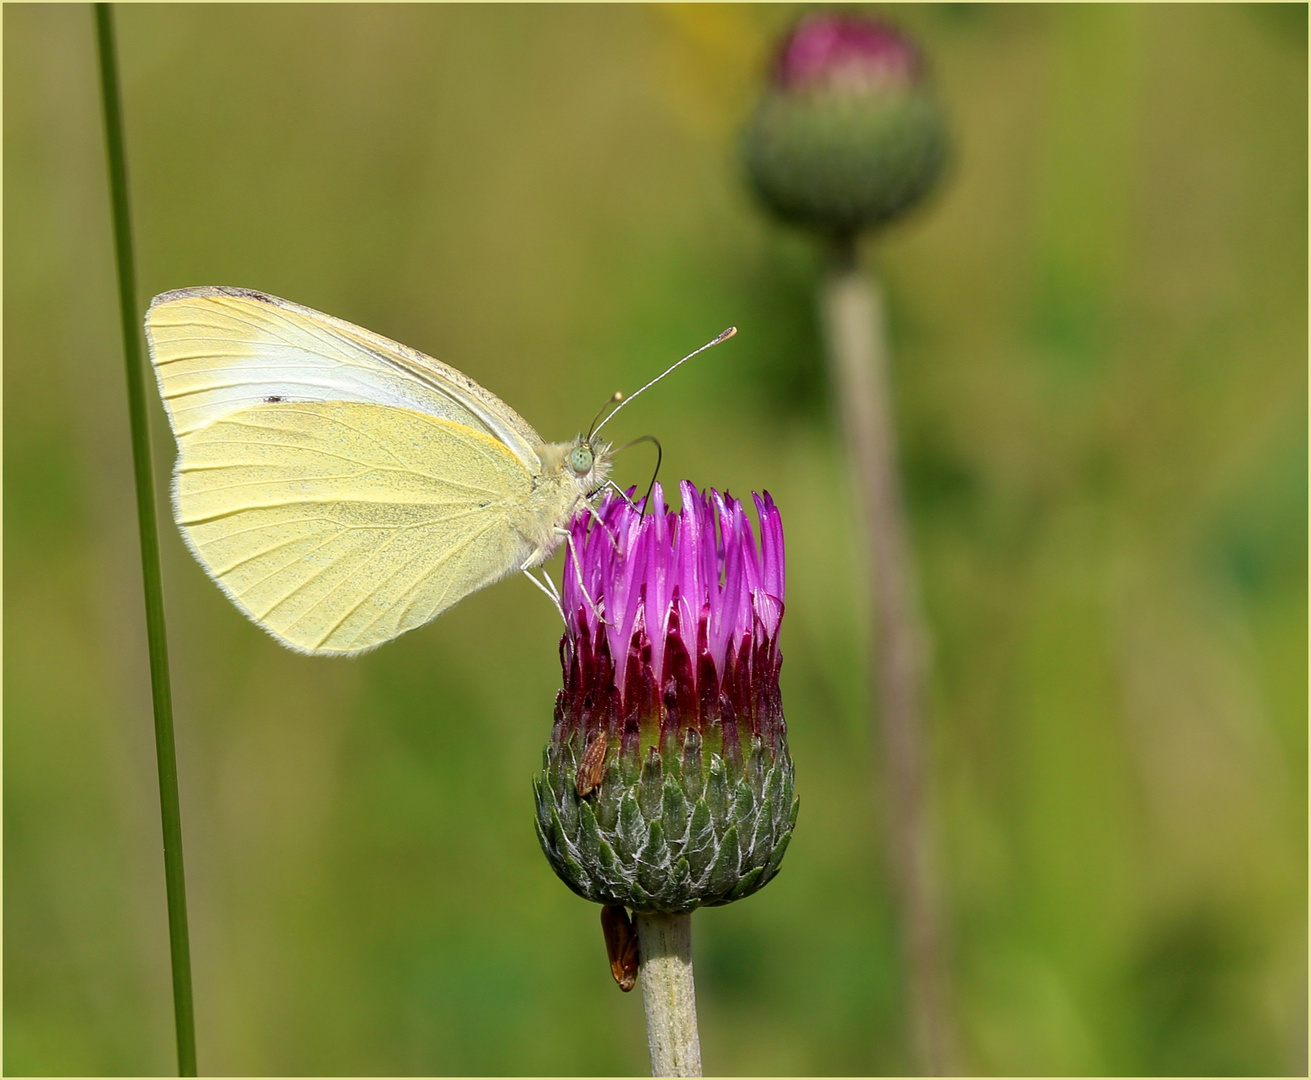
679	625
837	50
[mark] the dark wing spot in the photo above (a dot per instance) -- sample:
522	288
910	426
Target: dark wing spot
272	399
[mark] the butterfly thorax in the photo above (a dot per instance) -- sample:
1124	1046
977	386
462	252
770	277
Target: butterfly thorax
572	472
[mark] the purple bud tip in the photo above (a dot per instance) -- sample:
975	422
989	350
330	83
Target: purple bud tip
833	51
674	616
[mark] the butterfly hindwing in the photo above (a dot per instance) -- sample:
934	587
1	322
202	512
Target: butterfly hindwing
339	525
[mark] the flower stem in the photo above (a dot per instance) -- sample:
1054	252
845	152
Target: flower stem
669	993
156	638
852	309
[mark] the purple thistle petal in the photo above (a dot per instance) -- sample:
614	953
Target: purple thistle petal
691	607
750	553
659	587
771	545
710	561
727	613
624	586
690	541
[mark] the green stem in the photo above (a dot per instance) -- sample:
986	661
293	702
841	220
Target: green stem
668	992
157	642
852	306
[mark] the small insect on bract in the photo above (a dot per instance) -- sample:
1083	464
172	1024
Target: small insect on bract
591	766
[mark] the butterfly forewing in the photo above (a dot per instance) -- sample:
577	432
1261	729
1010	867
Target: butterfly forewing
218	349
337	526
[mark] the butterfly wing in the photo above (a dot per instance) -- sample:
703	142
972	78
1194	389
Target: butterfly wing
342	488
217	350
338	525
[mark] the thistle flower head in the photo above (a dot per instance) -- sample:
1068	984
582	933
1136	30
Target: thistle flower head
672	619
667	782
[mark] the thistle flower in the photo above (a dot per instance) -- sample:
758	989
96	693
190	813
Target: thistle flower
847	135
667	783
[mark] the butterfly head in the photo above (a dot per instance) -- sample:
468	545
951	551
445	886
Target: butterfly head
588	461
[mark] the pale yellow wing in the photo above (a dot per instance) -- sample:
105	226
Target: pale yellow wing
218	349
338	525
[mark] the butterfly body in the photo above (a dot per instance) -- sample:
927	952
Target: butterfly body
340	487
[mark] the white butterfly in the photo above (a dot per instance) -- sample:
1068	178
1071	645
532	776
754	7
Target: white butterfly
340	487
343	488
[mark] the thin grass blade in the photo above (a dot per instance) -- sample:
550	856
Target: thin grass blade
157	641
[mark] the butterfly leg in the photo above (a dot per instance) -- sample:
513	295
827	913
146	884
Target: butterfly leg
600	521
552	593
622	494
578	570
547	584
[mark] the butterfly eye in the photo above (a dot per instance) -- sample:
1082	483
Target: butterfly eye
580	460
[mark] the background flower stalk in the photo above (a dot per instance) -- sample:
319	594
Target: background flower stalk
852	308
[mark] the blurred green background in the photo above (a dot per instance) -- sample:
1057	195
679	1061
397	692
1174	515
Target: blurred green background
1100	331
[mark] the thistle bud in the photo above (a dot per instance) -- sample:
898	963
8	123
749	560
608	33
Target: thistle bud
847	135
667	783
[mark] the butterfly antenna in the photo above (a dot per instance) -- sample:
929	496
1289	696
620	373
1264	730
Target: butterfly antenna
616	397
722	337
